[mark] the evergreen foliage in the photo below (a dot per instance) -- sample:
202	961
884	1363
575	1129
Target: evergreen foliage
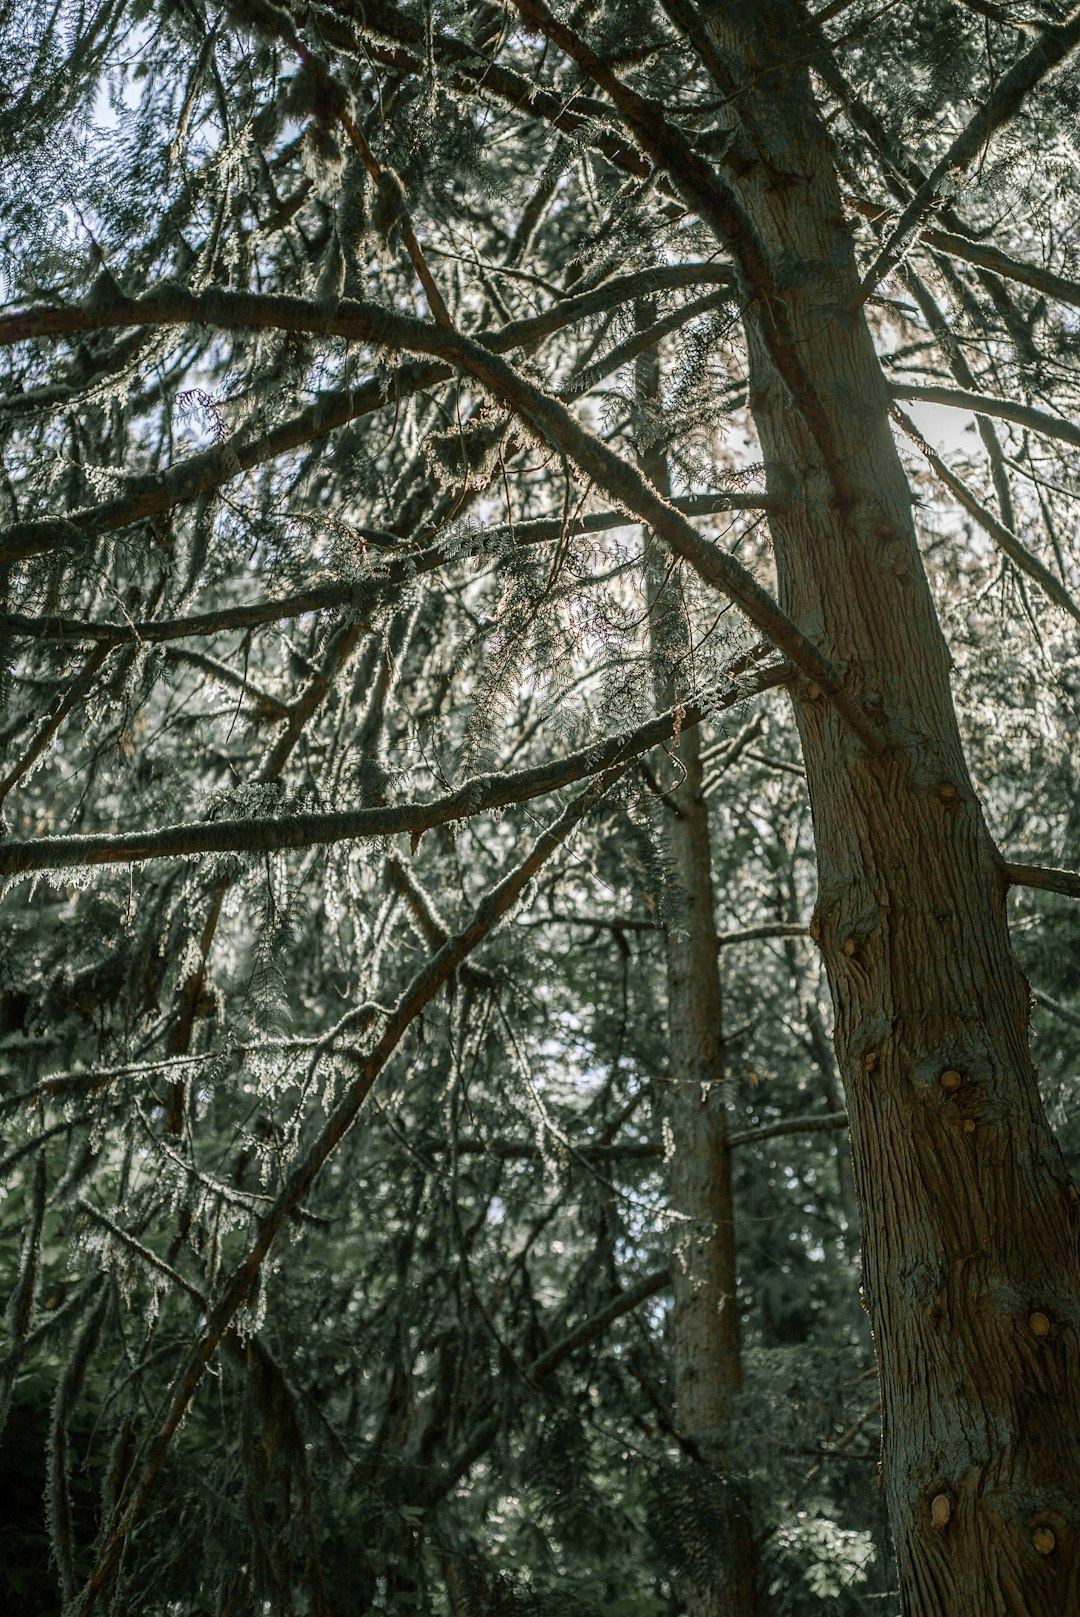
338	1239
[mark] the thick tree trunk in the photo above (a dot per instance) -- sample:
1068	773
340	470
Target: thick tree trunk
970	1258
708	1370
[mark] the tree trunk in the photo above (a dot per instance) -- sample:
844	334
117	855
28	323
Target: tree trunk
970	1259
708	1371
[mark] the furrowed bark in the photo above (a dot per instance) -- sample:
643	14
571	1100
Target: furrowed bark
971	1272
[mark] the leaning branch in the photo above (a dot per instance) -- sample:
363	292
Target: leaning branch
425	985
598	1323
1054	44
55	718
204	473
1017	552
795	1125
1024	415
636	923
981	254
382	573
391	37
1056	1008
702	189
266	835
368	322
437	1485
635	1150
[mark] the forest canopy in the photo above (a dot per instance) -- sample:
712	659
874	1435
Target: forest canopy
540	998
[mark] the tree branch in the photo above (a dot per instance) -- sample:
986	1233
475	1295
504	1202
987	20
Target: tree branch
1024	415
1056	1009
597	1323
1054	44
1015	549
368	322
383	572
796	1125
982	255
702	190
482	1437
263	835
432	976
55	718
211	469
1045	878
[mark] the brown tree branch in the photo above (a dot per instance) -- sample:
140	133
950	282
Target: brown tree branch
703	191
982	255
1014	548
263	835
598	1323
794	1125
435	972
383	574
1056	41
622	482
1056	1009
268	706
392	37
212	468
59	711
1044	878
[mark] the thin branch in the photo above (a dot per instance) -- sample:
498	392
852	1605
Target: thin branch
598	1323
622	482
796	1125
982	255
998	14
425	985
148	1257
262	835
729	754
1014	548
1054	44
1056	1008
633	1150
438	1484
616	923
703	190
769	929
211	469
271	707
1024	415
1045	878
55	718
382	574
527	1151
384	24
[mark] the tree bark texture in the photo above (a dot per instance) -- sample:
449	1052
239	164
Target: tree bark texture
719	1548
970	1257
